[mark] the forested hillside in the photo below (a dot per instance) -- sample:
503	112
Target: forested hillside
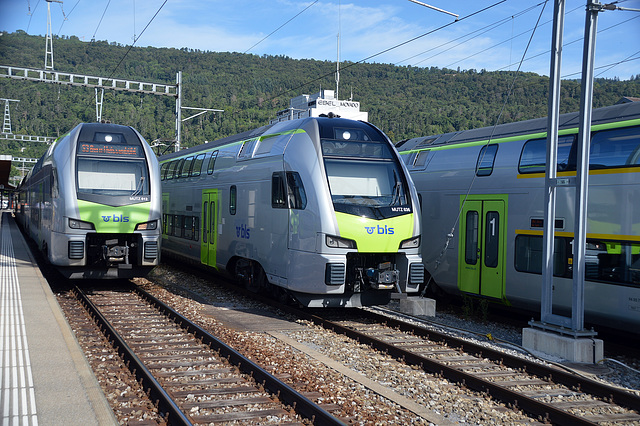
403	101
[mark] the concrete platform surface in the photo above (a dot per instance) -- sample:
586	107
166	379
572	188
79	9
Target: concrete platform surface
45	377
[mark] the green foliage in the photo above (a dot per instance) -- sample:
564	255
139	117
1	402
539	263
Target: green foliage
404	102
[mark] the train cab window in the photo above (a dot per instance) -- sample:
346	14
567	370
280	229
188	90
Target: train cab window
233	197
112	177
212	162
292	195
197	165
615	148
278	199
533	158
486	159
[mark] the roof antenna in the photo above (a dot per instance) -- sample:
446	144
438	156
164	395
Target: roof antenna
338	61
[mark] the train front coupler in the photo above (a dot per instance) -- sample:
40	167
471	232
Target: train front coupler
384	277
112	253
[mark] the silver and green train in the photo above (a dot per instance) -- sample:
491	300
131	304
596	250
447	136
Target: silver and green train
321	209
489	186
92	203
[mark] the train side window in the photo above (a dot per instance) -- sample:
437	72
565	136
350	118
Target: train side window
296	193
163	170
197	165
212	162
178	171
233	197
187	227
615	148
528	255
471	237
486	159
612	261
278	194
265	144
421	159
186	167
204	221
533	158
196	227
177	225
246	151
171	169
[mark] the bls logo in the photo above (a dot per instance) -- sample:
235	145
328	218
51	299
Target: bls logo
115	218
242	232
386	230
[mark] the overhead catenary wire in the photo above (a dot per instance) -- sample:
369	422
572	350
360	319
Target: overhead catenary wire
274	31
100	22
451	233
389	49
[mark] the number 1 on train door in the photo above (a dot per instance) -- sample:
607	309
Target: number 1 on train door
209	221
481	260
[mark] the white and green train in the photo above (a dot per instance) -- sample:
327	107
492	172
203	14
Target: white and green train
488	185
321	209
92	203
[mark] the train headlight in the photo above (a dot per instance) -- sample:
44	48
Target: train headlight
337	242
411	243
80	224
147	226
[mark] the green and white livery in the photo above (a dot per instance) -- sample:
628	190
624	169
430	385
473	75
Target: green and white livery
321	209
92	203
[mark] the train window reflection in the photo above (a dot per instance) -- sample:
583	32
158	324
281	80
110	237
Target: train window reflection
615	148
368	183
534	155
116	178
612	261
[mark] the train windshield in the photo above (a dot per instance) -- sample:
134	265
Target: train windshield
112	177
364	176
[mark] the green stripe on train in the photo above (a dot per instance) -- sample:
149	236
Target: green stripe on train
117	220
376	236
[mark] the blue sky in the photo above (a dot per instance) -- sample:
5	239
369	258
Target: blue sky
493	39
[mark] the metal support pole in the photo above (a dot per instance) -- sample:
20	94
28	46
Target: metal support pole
178	110
48	54
546	301
582	184
99	104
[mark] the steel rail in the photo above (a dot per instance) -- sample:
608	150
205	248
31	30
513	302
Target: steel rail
530	405
166	405
584	384
301	404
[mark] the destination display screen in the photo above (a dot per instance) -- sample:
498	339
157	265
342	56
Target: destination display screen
110	150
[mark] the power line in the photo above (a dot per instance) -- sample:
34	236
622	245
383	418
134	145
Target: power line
100	22
477	33
391	48
274	31
136	39
67	17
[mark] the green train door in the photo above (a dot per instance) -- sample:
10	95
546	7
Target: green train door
209	221
482	253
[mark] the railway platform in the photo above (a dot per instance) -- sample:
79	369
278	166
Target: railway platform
44	375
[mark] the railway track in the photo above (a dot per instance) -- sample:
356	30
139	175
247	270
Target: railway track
545	393
193	377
